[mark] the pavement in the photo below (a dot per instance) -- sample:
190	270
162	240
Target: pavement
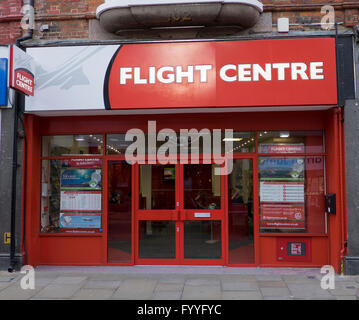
176	283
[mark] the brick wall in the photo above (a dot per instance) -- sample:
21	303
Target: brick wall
70	19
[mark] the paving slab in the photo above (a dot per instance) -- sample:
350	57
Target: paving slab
14	292
275	292
201	292
57	291
169	287
102	284
93	294
235	285
241	295
135	289
272	284
167	295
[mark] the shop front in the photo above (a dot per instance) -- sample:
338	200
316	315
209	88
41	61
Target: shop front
185	153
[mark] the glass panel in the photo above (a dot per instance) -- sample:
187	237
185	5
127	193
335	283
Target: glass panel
119	212
157	239
290	142
240	213
55	146
291	194
71	195
116	144
242	142
202	188
202	240
157	187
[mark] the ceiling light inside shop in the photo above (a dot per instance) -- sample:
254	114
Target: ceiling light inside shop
232	139
284	134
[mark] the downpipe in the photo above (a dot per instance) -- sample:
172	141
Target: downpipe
18	104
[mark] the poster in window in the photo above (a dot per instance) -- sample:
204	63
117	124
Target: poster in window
83	220
282	193
81	179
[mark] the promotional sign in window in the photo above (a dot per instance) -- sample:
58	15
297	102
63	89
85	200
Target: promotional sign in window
75	220
81	179
3	81
81	195
282	194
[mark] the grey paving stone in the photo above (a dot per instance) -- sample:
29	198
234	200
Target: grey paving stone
346	297
309	291
344	289
93	294
166	295
135	289
171	279
272	284
275	292
169	287
278	298
69	280
228	285
201	292
14	292
58	291
102	284
241	277
203	282
241	295
269	277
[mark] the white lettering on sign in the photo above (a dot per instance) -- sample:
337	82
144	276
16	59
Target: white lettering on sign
165	74
228	73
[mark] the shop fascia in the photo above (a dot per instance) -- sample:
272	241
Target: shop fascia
167	152
227	73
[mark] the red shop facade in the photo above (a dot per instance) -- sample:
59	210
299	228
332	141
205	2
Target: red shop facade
96	196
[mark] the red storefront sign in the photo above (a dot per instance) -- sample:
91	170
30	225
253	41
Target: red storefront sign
286	72
22	67
82	163
277	148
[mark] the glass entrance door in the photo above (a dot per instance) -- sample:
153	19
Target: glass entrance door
179	214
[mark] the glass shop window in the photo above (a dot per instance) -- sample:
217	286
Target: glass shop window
71	195
290	142
292	194
196	142
67	145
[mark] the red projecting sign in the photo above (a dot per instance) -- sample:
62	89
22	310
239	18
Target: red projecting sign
288	72
22	68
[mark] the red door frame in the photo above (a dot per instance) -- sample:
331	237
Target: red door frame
179	215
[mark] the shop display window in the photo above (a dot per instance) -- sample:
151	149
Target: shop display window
290	142
71	195
291	195
242	142
69	145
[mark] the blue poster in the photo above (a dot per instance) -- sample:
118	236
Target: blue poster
81	179
281	169
80	220
3	82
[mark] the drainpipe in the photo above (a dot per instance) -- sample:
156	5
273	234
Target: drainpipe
18	104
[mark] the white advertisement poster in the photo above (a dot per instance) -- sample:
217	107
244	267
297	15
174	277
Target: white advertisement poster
80	200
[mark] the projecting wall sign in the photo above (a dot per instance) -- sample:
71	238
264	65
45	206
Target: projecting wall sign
287	72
